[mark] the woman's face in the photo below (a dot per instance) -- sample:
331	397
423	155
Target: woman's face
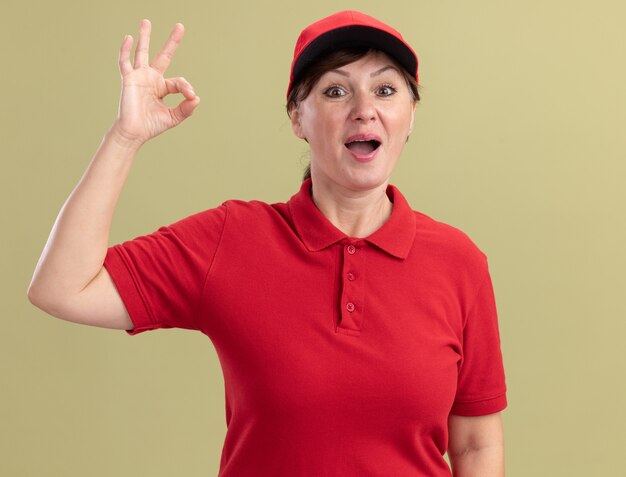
356	120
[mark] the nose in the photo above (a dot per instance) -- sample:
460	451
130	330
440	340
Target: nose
363	108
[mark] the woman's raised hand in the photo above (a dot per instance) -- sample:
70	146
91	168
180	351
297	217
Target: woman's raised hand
142	113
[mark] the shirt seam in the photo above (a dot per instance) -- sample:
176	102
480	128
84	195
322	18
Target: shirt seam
123	254
210	267
491	398
475	299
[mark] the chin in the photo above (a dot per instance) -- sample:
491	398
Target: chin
363	181
366	177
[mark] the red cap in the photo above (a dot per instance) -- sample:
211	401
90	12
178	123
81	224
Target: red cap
349	28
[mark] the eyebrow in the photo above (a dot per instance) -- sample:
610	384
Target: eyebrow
375	73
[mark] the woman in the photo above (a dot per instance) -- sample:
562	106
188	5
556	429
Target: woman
356	336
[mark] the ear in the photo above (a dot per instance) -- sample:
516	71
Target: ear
412	117
295	123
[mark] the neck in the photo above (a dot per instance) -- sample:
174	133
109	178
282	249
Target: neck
357	214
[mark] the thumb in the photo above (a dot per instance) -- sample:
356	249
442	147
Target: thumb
184	109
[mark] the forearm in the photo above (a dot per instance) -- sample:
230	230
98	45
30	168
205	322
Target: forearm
480	462
77	244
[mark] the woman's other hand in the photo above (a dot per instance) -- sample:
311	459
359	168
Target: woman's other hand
142	113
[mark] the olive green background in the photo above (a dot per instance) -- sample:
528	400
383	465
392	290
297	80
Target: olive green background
519	141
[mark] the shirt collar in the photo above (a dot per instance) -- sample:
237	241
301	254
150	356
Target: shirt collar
317	232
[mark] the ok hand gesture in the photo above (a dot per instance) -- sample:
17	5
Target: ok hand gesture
142	113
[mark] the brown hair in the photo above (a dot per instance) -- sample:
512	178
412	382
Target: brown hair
336	59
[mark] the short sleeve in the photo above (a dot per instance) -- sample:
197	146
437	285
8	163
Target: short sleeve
160	276
481	383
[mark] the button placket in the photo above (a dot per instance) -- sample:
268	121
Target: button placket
353	290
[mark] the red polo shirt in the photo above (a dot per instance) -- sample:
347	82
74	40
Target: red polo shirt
341	356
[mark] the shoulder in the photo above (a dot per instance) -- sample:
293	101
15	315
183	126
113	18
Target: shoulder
448	243
233	214
438	242
446	234
248	214
237	208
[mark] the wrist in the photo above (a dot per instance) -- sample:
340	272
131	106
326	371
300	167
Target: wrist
117	135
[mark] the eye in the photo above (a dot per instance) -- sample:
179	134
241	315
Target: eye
335	92
386	90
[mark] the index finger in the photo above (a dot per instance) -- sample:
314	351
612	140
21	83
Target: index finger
164	57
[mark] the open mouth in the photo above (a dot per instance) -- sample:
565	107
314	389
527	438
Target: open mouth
363	147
